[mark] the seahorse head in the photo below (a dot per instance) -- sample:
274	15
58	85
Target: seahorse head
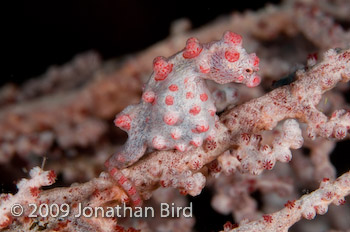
228	62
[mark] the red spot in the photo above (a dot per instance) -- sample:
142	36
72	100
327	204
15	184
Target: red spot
4	197
287	158
6	222
193	48
233	38
196	165
123	122
137	203
96	193
212	112
189	95
229	226
325	179
119	228
169	100
267	218
265	147
210	145
113	171
196	142
329	195
310	216
214	166
255	82
328	82
132	191
121	158
34	191
148	96
203	69
290	204
183	192
312	56
170	118
268	164
240	78
204	97
51	176
173	87
161	68
180	147
320	209
163	184
195	110
200	129
340	133
122	180
125	199
175	134
158	143
341	202
245	137
232	55
256	60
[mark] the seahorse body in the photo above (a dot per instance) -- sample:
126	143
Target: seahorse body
177	110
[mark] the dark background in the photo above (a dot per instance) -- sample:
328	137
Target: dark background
38	33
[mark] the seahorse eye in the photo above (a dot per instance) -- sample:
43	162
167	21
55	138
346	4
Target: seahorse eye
249	70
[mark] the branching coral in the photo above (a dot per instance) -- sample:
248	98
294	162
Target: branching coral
241	122
307	207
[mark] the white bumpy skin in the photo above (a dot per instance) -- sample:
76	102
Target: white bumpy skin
177	110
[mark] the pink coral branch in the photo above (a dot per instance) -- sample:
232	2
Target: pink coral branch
28	191
298	100
307	207
96	192
187	170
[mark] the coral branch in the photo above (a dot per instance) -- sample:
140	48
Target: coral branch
231	137
297	100
184	169
96	192
28	190
307	207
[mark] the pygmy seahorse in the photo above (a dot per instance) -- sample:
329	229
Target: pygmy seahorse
177	110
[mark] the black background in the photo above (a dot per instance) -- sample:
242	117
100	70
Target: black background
38	33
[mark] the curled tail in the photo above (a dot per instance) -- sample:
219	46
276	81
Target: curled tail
132	121
128	186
